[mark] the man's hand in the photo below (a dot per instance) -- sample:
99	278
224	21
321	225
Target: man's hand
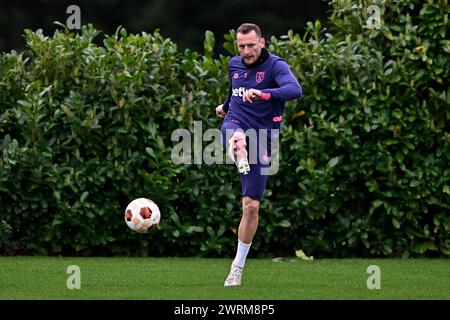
219	111
252	95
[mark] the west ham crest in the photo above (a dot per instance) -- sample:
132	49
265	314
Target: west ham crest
260	76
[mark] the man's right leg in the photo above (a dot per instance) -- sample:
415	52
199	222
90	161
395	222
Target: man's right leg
253	185
235	144
237	151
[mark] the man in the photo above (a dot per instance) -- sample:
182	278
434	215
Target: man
260	83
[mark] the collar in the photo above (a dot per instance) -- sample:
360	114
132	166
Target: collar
261	59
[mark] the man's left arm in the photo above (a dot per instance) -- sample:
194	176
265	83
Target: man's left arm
288	86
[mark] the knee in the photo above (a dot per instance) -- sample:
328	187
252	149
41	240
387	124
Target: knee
238	135
251	210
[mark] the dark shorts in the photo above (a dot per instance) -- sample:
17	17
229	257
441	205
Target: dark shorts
259	151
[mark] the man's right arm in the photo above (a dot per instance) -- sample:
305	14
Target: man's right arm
222	109
226	104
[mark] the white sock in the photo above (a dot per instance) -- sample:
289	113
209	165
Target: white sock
241	255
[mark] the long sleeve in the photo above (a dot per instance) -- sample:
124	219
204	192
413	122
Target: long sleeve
289	88
226	104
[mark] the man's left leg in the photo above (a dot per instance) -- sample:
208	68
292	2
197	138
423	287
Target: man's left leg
249	221
246	232
253	186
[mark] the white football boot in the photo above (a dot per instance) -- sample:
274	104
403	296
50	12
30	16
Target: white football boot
234	277
237	151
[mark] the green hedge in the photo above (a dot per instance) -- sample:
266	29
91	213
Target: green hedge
85	128
371	156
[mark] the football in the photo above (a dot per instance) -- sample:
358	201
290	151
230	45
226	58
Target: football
142	215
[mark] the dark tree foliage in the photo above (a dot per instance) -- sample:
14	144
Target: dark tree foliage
183	21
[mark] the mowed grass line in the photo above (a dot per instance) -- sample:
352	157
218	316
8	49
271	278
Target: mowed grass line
196	278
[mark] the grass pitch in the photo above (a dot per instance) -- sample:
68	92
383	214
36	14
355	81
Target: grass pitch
196	278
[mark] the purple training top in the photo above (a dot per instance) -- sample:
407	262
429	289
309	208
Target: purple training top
275	80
